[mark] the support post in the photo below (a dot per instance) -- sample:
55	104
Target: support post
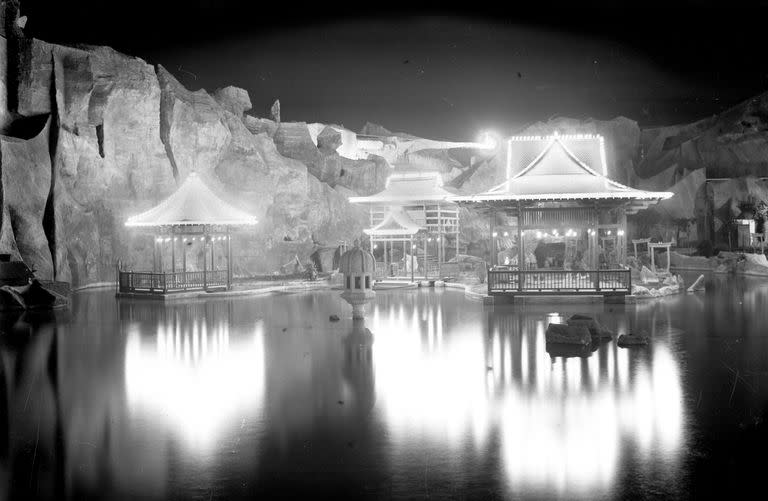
213	250
411	258
160	256
439	242
426	268
520	251
492	227
154	253
184	255
205	260
229	259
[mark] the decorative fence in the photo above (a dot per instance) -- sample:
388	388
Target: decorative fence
513	281
400	270
164	283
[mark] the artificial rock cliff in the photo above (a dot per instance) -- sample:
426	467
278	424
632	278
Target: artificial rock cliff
90	136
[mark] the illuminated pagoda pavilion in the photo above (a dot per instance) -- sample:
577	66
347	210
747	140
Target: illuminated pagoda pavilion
191	228
558	223
414	228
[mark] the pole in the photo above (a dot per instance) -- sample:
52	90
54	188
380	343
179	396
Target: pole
404	253
411	258
439	242
229	259
184	255
205	259
493	239
213	249
173	250
426	269
520	253
154	253
160	255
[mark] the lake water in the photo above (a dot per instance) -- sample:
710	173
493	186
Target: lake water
435	396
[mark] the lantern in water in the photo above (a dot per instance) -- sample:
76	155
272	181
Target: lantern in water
357	265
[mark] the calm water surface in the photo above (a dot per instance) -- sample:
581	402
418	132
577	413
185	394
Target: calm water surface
435	396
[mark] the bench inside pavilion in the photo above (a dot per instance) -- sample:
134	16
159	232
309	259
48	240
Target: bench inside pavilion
557	195
192	251
414	228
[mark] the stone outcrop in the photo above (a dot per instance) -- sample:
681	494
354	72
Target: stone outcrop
26	180
596	330
568	334
632	339
234	100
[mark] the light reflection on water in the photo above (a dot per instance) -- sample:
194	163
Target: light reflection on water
563	422
431	396
191	374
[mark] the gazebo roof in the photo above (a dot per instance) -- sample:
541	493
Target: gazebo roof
556	172
193	203
408	186
395	223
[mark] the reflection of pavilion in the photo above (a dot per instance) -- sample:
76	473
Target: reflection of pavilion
564	419
191	228
191	371
413	228
562	425
558	223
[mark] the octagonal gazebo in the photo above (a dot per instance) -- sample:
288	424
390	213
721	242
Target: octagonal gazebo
192	222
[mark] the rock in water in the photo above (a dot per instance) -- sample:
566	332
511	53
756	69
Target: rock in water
567	334
596	330
333	318
627	340
698	285
568	350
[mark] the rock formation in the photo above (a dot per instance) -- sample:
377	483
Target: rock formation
91	136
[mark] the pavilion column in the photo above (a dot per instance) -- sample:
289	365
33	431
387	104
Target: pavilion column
426	268
173	250
229	259
386	264
520	250
621	237
493	239
205	259
154	254
439	241
184	254
405	266
411	258
213	250
160	256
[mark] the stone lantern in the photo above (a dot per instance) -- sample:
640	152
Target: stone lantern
357	265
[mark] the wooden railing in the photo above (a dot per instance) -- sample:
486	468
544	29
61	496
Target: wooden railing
513	281
164	283
399	269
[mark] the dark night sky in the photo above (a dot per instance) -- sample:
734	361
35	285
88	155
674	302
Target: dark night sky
437	72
